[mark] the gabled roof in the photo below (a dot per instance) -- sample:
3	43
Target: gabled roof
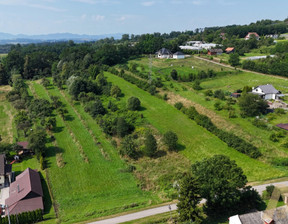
268	88
178	53
4	168
229	49
252	33
24	145
164	51
25	192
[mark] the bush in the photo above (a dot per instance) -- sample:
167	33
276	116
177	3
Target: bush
133	103
178	105
273	137
218	106
219	93
150	145
208	92
128	147
170	139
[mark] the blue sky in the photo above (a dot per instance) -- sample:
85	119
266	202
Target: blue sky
131	16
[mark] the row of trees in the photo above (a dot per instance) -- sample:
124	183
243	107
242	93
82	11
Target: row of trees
229	138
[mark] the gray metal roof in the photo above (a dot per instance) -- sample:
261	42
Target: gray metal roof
164	51
178	53
278	215
268	89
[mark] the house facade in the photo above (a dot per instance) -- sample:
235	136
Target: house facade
178	55
215	51
5	172
164	54
252	34
267	92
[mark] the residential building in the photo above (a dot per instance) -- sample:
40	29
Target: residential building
267	92
25	193
164	53
252	34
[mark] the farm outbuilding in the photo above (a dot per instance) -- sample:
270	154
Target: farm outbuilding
178	55
215	51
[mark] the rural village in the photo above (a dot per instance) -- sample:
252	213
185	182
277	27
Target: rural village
196	120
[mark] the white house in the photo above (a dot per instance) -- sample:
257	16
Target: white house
251	34
178	55
267	92
164	53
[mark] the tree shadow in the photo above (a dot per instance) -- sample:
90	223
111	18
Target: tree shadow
57	129
180	147
142	108
47	198
160	153
76	103
68	117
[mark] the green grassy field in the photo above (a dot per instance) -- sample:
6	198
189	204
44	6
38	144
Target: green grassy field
230	83
6	117
95	188
199	142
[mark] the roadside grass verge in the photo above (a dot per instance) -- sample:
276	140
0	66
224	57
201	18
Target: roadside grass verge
198	142
93	189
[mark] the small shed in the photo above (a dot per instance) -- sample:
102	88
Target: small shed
178	55
215	51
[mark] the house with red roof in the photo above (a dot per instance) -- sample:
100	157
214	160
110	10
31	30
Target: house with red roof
25	193
252	34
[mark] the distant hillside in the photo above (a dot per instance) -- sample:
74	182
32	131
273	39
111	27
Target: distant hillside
6	38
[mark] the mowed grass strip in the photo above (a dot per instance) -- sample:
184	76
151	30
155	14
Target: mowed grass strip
198	141
87	190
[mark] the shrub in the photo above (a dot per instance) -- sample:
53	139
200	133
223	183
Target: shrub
208	92
273	137
170	139
133	103
178	105
218	106
150	145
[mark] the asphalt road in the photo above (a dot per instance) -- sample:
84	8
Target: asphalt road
163	209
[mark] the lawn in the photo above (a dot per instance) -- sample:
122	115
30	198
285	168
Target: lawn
199	143
230	83
95	188
7	112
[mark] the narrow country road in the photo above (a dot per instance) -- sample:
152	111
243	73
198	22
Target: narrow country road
163	209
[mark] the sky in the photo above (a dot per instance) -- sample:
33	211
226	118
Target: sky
97	17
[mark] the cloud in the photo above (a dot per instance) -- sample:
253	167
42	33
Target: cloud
97	18
28	3
94	2
148	3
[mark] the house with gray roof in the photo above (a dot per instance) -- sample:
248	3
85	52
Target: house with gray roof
164	53
272	216
267	92
5	172
178	55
